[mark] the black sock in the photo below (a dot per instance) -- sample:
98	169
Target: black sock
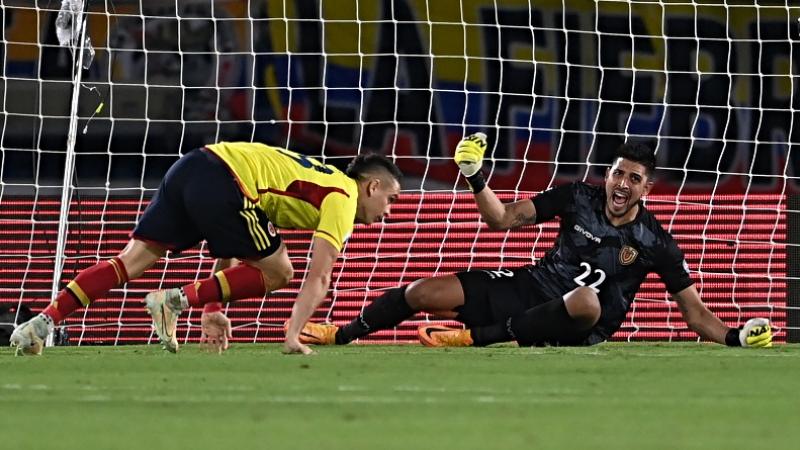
386	311
491	334
547	323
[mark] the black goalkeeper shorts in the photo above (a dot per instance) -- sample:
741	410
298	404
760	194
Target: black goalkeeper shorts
199	199
492	296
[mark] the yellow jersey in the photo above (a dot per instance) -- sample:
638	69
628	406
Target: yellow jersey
295	191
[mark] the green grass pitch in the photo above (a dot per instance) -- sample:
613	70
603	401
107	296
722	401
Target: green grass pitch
620	396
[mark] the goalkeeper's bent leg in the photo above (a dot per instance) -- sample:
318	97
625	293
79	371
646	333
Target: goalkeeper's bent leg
557	321
386	311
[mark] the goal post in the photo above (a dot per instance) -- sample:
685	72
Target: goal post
556	85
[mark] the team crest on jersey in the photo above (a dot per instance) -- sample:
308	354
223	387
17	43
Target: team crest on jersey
627	255
271	229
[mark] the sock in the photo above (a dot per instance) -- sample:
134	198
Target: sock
491	334
90	284
49	324
233	283
547	323
212	307
386	311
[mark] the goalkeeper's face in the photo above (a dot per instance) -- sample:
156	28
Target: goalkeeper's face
626	183
376	194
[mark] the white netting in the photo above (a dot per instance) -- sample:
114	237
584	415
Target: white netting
556	85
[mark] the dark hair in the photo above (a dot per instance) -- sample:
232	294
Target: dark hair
371	163
638	152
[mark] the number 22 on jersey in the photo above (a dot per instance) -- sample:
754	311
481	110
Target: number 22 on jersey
579	280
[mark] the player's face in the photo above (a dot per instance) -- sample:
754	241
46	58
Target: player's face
376	199
626	183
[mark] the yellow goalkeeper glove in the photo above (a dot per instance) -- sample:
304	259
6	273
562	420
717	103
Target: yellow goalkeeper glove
756	333
469	154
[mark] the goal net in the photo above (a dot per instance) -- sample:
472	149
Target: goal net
556	85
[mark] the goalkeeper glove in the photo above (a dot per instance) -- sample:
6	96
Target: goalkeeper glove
755	333
469	157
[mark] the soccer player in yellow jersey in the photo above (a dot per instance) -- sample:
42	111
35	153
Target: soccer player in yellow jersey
234	195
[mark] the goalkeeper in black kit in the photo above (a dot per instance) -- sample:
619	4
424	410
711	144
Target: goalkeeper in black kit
578	294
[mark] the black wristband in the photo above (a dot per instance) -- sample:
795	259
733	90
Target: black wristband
476	182
732	338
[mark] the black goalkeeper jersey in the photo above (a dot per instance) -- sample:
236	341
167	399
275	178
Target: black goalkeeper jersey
590	251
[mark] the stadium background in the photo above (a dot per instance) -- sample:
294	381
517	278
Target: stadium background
408	79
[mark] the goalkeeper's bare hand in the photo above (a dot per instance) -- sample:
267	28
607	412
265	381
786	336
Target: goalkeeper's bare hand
469	153
215	331
756	333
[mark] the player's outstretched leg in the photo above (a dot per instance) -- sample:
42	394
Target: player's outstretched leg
386	311
435	295
164	307
28	338
439	336
92	283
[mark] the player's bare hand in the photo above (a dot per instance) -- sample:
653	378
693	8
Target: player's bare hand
756	333
215	331
469	153
294	347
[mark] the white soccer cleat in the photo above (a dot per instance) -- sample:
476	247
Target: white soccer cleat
28	338
164	308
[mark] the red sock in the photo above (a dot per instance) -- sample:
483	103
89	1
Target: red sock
89	285
233	283
212	307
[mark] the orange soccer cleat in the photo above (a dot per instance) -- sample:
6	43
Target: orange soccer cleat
439	336
316	333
